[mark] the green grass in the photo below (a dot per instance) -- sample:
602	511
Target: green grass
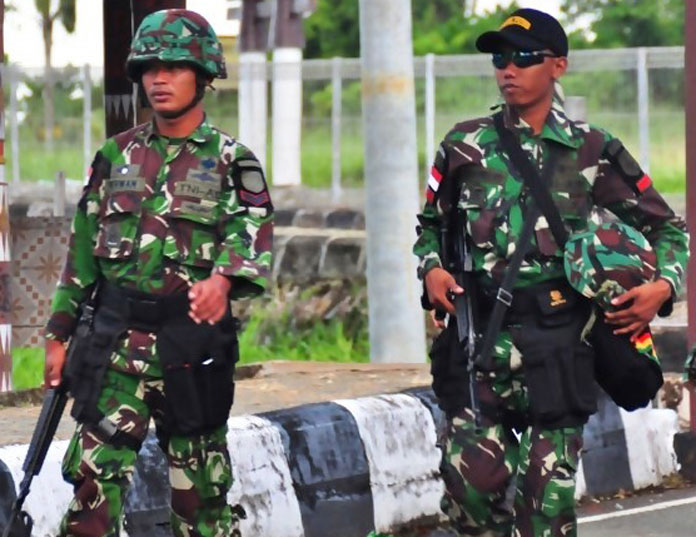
27	367
325	342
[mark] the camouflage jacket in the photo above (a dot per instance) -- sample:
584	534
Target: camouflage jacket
593	171
158	217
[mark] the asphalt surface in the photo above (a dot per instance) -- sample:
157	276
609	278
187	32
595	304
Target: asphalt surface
667	514
671	513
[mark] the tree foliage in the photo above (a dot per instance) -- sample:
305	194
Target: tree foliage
64	11
333	30
439	26
626	23
452	26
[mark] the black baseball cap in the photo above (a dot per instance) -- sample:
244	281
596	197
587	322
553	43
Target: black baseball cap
526	29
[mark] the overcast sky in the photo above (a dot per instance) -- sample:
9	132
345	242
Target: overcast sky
24	45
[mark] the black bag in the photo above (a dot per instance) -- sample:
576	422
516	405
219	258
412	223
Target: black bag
629	377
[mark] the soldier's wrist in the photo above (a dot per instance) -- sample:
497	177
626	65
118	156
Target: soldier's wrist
223	282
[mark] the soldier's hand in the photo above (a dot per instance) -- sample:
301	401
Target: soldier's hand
437	321
646	301
54	364
439	284
208	299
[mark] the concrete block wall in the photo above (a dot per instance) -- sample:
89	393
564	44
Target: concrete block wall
345	467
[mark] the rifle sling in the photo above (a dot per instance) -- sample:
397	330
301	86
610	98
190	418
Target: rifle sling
538	187
504	296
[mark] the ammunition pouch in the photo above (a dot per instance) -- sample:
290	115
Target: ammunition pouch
546	323
198	359
448	367
198	362
88	357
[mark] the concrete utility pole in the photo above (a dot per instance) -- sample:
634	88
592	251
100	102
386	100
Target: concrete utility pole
690	111
121	18
5	265
397	330
253	86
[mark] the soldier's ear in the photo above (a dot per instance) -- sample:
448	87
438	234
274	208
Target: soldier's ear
559	67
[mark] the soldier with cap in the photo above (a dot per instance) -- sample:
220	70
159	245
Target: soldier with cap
175	220
539	378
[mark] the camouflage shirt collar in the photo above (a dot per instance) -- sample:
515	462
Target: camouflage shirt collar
557	127
202	134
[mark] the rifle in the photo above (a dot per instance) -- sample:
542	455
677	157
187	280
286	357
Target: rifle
20	523
456	257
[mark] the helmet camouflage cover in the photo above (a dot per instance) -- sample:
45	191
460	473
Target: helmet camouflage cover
606	262
176	35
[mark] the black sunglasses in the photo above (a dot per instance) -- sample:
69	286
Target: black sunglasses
521	58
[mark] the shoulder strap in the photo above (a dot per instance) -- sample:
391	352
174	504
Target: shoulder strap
504	295
537	186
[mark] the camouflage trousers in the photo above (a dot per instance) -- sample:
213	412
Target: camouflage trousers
502	484
199	467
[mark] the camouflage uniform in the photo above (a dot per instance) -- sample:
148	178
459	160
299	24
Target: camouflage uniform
480	464
158	215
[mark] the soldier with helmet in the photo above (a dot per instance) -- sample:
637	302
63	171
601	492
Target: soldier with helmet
175	220
519	429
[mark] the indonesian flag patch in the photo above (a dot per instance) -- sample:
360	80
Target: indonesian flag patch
433	184
643	183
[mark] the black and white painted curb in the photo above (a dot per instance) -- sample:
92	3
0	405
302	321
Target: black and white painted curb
345	467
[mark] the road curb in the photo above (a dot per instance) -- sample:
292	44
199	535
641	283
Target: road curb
346	467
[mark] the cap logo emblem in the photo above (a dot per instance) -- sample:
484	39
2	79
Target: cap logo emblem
516	21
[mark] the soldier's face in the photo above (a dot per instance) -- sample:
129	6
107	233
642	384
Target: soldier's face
169	87
525	86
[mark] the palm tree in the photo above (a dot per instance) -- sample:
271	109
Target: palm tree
65	12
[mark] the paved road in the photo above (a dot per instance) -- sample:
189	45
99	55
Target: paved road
667	514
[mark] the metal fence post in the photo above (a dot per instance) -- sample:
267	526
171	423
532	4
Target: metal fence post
336	94
59	195
86	118
14	126
643	109
429	111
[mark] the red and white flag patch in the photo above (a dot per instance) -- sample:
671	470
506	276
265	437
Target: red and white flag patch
433	184
643	183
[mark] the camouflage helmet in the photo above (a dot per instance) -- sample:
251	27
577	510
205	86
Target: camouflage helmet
606	262
176	35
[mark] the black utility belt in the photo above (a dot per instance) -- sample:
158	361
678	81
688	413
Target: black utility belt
143	311
549	299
